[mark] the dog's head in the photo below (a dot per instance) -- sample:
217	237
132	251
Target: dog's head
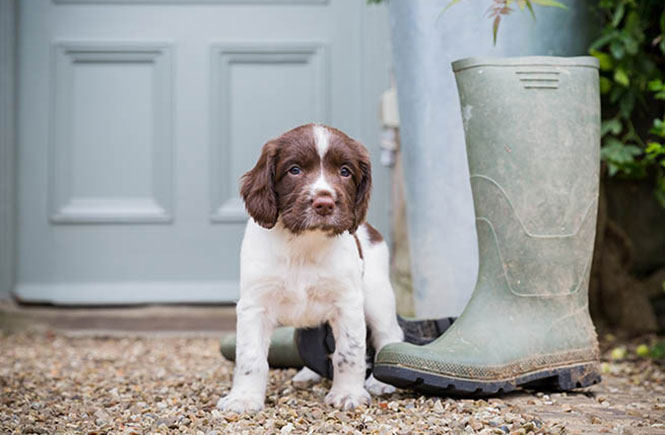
311	177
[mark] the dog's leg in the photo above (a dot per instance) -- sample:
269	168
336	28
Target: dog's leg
251	371
348	326
380	310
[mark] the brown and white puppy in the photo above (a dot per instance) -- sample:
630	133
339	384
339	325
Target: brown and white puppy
307	258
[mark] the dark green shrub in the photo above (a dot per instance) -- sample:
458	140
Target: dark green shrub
631	51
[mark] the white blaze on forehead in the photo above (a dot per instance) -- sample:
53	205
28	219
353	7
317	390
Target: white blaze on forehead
321	139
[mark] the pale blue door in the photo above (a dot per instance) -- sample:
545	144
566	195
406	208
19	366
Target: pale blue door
136	120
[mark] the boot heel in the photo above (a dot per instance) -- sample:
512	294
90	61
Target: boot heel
568	378
576	377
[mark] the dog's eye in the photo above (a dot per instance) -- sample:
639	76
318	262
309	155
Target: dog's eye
345	172
294	170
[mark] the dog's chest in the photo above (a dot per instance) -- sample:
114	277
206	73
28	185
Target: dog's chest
307	293
307	286
300	280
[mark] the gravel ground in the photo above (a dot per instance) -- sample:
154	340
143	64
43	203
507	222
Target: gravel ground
53	383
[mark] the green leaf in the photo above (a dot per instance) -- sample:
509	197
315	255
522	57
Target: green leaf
612	169
617	49
616	152
613	126
632	46
633	26
654	148
616	93
495	27
658	128
604	59
552	3
530	6
621	77
632	150
656	85
658	350
627	104
603	40
653	151
449	5
618	14
605	85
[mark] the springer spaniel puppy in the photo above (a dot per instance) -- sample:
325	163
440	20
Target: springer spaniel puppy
307	258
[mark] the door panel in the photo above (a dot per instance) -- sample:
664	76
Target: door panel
274	84
136	120
112	139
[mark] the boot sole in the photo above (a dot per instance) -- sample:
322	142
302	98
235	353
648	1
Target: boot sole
562	378
315	345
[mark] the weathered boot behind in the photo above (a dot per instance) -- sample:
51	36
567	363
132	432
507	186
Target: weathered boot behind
532	134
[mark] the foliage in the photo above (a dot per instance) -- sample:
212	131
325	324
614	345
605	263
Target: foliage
631	52
658	351
501	8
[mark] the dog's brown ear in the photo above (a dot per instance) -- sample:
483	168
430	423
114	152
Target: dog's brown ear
257	188
363	189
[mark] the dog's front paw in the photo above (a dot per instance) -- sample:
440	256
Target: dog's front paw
241	403
348	399
378	388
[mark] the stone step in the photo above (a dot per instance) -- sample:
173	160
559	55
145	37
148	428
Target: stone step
119	320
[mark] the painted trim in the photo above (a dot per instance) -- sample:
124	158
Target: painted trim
8	110
93	293
375	59
225	204
66	209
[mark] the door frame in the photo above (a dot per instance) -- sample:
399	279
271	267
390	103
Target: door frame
8	143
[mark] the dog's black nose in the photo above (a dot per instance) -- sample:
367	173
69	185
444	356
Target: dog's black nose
324	205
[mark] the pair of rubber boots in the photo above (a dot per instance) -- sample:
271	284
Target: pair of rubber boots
532	128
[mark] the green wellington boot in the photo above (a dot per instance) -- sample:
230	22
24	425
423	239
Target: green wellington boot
283	352
312	347
532	134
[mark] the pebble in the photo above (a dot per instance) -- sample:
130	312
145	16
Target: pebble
287	429
59	384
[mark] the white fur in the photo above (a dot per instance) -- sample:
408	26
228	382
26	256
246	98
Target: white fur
303	281
321	139
322	187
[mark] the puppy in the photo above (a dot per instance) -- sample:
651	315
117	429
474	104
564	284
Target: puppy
308	257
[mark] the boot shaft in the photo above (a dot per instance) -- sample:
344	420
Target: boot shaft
532	128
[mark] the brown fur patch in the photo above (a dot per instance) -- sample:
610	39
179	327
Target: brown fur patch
360	249
374	234
257	188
